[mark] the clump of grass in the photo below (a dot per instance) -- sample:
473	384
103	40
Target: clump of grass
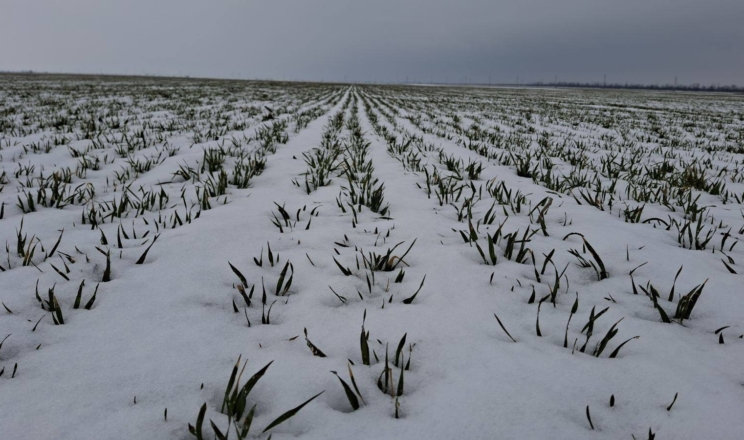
265	316
574	309
386	382
387	262
141	259
240	276
282	286
410	299
351	396
599	267
669	408
313	349
589	327
504	328
345	270
687	303
3	341
107	271
719	332
235	403
364	341
79	296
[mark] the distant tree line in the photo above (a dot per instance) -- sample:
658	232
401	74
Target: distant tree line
696	87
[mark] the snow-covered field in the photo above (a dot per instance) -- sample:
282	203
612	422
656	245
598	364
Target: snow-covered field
435	262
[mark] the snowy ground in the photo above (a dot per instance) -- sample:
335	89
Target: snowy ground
479	190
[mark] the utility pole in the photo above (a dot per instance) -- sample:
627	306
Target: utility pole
605	80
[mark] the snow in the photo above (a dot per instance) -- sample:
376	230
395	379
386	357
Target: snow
165	332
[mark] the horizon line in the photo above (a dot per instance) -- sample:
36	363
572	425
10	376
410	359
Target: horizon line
692	87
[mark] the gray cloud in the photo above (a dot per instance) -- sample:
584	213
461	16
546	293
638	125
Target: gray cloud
383	40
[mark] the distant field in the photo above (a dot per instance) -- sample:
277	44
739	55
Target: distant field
201	258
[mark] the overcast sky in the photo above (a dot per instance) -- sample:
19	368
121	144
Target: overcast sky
648	41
